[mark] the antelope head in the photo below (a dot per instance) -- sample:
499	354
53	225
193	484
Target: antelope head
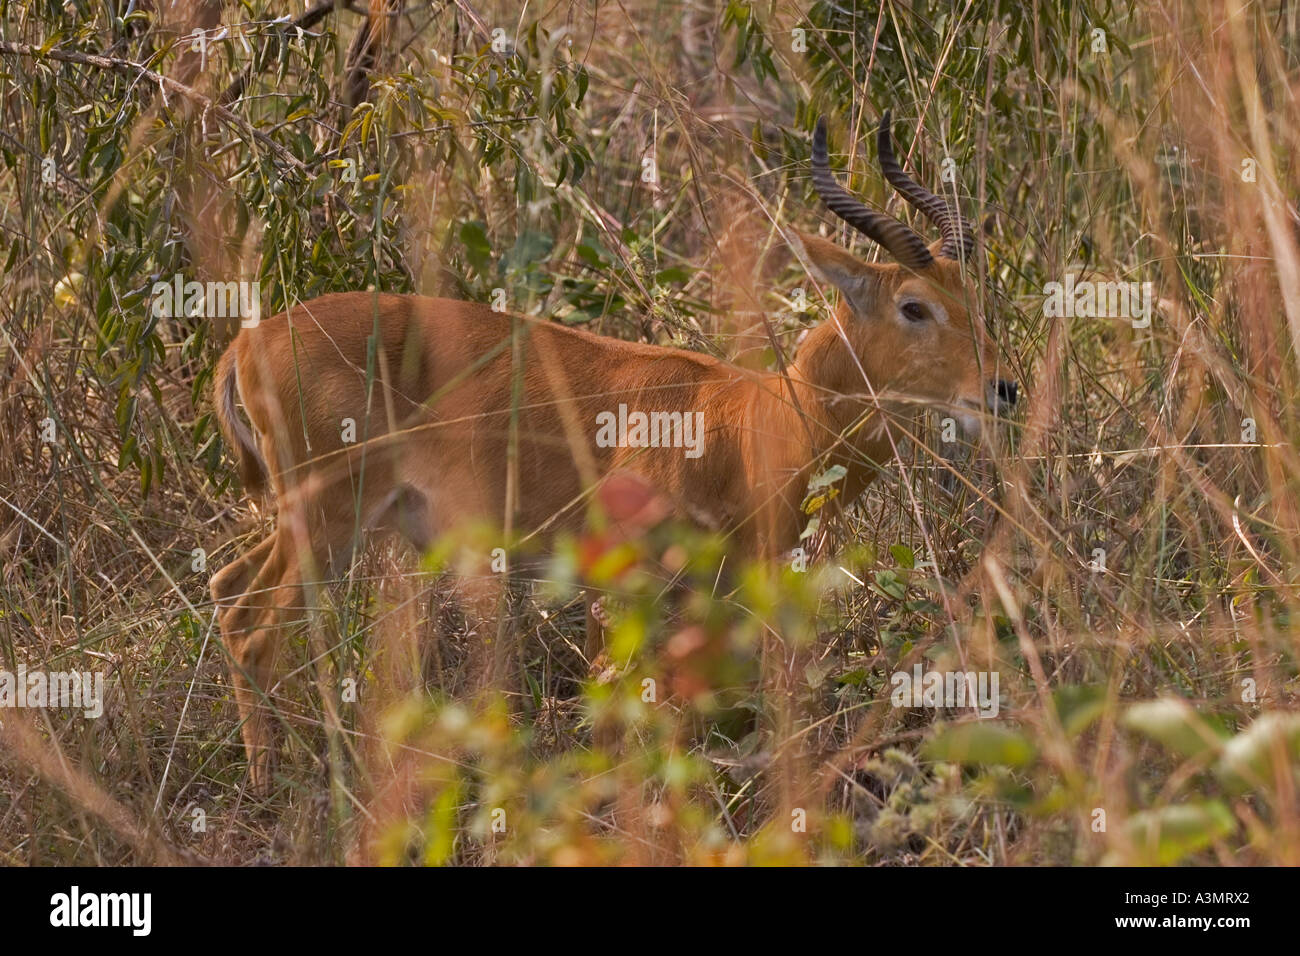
909	323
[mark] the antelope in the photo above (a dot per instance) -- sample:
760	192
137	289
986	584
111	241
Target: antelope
473	415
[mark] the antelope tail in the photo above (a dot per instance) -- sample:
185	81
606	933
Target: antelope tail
239	437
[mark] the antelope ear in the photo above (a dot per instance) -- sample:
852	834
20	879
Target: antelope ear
827	262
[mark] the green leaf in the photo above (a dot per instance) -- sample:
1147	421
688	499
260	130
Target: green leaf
477	248
903	555
1250	760
1078	706
827	478
1163	837
440	830
888	585
980	742
1171	722
820	490
816	672
673	274
531	247
854	678
593	254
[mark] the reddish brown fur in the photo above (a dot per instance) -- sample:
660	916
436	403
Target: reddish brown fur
435	455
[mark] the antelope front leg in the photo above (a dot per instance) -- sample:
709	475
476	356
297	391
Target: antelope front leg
233	580
254	658
252	630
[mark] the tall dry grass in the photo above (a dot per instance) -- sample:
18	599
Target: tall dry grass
1147	709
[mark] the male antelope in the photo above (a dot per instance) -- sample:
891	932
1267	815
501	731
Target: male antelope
455	386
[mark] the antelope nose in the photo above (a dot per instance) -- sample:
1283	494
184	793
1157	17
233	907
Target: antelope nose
1006	391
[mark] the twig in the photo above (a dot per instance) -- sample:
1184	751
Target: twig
165	83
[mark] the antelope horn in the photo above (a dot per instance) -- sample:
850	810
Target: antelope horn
955	230
898	239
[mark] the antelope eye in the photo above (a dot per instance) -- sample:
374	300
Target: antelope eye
913	311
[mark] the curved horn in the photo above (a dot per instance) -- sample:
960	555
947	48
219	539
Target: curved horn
955	230
901	242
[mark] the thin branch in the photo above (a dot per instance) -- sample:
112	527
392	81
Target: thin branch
165	83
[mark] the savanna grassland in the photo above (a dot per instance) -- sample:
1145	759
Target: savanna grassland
1123	556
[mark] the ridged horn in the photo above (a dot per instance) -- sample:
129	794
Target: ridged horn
957	232
899	240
